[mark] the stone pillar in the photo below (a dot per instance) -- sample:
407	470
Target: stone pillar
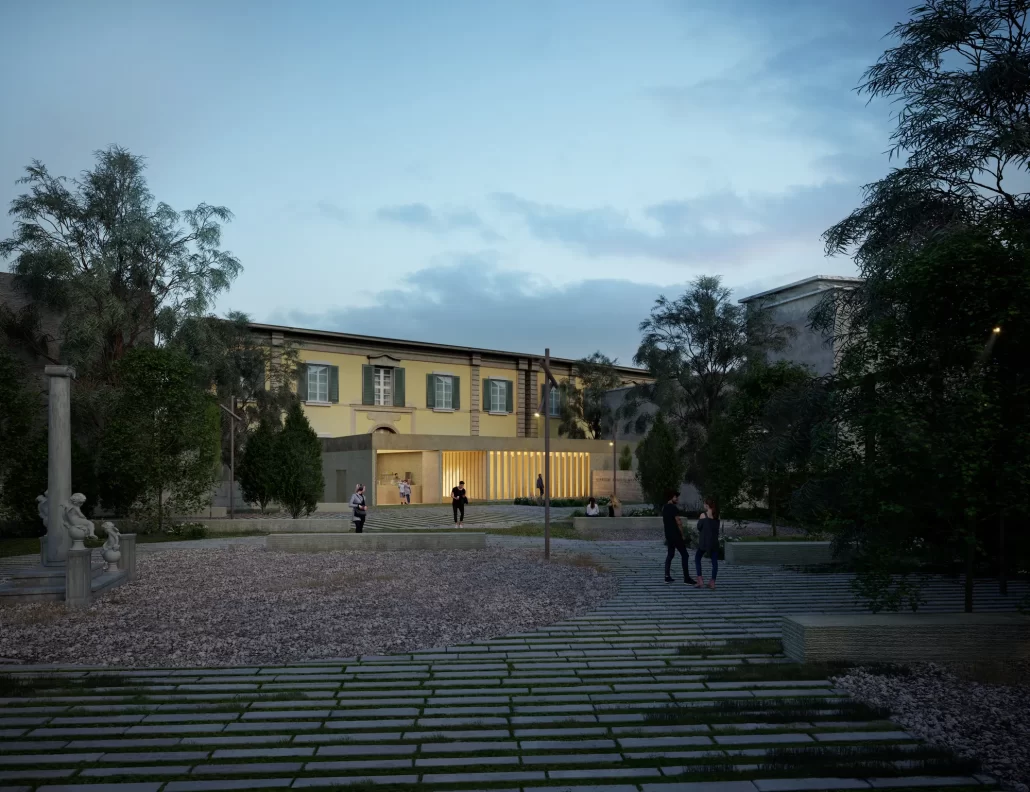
78	579
477	395
59	454
127	563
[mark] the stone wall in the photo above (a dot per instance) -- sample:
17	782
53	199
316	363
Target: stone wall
628	487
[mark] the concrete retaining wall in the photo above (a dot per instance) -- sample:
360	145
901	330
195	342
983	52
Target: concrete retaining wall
277	525
778	553
327	542
586	523
904	637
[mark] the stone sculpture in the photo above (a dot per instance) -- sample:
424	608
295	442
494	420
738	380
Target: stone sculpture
44	509
75	522
111	550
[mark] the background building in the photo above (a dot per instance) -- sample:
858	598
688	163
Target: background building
791	305
435	414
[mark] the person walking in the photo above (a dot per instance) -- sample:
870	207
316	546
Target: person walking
540	487
707	541
674	538
358	505
458	501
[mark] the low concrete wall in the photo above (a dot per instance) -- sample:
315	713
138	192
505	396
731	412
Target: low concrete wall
904	637
778	553
327	542
276	525
586	523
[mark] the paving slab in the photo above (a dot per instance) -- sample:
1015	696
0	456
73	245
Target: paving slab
227	784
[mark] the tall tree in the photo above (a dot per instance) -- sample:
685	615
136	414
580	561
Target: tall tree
160	446
752	452
930	401
694	346
249	375
660	464
123	269
256	471
298	456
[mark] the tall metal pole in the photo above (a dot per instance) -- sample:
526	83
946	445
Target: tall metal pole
232	462
233	417
615	457
547	453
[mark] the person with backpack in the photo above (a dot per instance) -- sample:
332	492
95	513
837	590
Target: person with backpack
708	541
358	505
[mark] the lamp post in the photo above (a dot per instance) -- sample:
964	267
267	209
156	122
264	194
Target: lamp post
615	459
549	383
232	457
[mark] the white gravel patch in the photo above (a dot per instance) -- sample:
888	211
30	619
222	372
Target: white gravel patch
244	605
988	722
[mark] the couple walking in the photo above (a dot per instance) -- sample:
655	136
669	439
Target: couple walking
707	539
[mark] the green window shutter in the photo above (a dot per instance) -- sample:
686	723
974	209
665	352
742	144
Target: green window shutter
509	396
302	381
484	395
430	391
334	384
368	384
456	398
398	387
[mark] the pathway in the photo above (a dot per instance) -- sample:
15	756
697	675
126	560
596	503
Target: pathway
622	699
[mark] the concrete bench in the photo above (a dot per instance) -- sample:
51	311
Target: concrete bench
906	637
778	553
328	542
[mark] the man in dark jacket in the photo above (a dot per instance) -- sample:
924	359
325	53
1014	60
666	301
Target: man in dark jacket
674	538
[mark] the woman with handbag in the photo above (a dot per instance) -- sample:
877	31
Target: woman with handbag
707	541
357	504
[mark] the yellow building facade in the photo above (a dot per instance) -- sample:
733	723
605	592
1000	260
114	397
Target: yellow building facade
435	414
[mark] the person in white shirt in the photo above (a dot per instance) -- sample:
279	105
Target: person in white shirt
592	510
405	491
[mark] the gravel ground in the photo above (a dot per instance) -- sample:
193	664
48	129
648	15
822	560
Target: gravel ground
244	605
986	721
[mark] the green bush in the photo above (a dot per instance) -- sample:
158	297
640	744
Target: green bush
187	531
560	502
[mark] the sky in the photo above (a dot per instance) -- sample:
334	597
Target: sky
507	175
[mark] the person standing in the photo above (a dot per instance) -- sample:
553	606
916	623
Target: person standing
674	538
360	508
404	488
458	501
540	487
707	541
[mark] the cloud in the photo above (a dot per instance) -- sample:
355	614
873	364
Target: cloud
422	217
471	301
723	227
332	211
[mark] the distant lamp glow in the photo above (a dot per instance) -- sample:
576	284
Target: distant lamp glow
996	330
611	444
536	415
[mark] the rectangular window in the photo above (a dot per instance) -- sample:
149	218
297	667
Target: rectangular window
498	396
444	393
554	406
384	386
318	384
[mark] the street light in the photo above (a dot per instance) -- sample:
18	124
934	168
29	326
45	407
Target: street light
996	330
549	383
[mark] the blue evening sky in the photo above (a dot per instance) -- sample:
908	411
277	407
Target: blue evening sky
497	174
